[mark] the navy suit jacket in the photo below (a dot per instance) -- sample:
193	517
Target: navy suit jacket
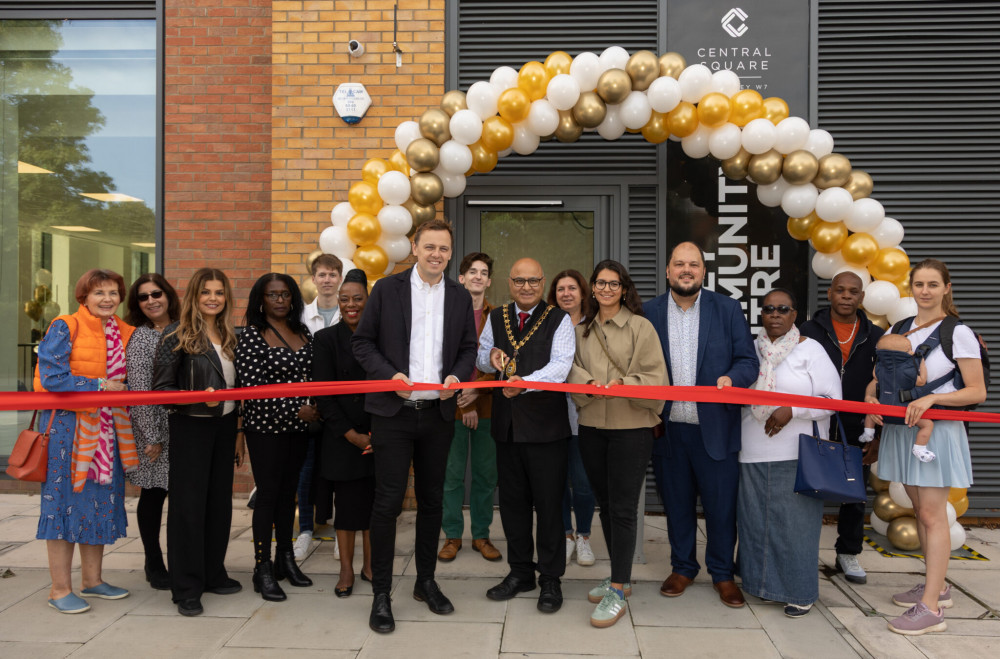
725	347
381	343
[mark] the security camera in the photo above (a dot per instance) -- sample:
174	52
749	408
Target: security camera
355	48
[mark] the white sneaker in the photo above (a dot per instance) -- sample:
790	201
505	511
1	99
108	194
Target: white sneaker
570	549
584	554
302	544
336	549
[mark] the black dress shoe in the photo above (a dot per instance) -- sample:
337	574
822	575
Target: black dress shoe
509	587
158	577
191	607
285	566
343	592
428	591
265	583
227	587
381	618
550	599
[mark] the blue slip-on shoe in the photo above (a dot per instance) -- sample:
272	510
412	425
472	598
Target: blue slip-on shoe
105	592
70	604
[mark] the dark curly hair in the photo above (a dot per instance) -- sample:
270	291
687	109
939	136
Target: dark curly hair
134	315
255	306
630	296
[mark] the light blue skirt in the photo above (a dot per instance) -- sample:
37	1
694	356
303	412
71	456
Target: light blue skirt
951	468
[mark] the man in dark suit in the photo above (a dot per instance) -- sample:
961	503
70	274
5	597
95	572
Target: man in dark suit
417	327
706	341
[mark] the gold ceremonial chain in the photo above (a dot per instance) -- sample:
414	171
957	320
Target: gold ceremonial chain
511	367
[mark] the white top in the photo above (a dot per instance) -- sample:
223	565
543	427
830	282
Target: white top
683	327
964	345
314	320
806	371
426	333
560	355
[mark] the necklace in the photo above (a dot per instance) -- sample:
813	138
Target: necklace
853	330
511	366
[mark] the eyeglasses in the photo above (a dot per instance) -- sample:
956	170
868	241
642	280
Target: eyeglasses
533	282
156	295
770	309
600	285
283	295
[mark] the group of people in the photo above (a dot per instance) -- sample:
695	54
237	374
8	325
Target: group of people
546	451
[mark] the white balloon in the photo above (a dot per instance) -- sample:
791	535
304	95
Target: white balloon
799	200
334	241
455	158
907	307
862	273
957	533
563	91
664	94
819	143
725	141
879	525
695	82
758	136
342	213
395	220
614	57
406	132
881	297
952	514
506	152
725	82
396	247
865	215
394	187
543	118
635	110
792	134
612	127
466	127
771	194
482	99
833	204
454	184
43	277
899	495
585	69
503	78
348	264
889	233
525	140
696	144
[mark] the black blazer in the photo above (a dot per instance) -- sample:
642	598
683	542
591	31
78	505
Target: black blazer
381	344
176	370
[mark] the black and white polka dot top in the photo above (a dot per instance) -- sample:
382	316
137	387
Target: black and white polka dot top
258	363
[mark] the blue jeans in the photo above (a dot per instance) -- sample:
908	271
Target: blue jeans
581	498
305	487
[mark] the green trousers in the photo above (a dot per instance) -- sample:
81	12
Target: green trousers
484	481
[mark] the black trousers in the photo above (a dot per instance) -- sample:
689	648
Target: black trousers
201	502
149	516
616	461
851	524
533	475
424	437
276	460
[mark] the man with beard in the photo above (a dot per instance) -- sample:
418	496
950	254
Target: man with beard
706	341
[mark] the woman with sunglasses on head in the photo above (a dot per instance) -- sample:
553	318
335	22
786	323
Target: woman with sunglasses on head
152	305
779	529
196	354
275	348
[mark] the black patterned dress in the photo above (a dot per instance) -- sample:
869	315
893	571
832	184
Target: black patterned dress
149	422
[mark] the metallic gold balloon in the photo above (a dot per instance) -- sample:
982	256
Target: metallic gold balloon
859	249
434	125
364	229
961	506
33	310
800	167
655	131
643	67
308	289
671	64
737	167
426	188
765	168
364	198
558	62
373	169
956	494
313	255
614	86
904	289
800	228
827	237
498	134
42	294
372	259
374	278
877	483
590	110
859	184
683	119
775	109
483	159
890	263
568	130
834	171
453	101
514	105
747	105
902	534
419	213
533	79
886	509
878	319
397	161
423	155
714	109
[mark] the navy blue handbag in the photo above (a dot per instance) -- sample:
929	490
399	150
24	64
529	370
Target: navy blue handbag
830	470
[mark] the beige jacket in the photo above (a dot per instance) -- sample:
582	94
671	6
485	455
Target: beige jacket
635	346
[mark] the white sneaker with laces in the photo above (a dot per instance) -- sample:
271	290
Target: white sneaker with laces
570	549
584	554
302	544
849	565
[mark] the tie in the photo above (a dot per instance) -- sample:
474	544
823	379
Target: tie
522	318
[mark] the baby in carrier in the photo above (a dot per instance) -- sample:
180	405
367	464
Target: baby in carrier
896	370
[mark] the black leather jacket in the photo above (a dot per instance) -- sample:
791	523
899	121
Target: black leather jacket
176	370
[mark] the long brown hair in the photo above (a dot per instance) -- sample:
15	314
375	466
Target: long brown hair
630	296
581	284
948	303
192	332
135	316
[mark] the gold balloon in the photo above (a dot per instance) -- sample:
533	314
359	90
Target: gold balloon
886	509
961	506
714	109
737	167
775	109
655	131
800	228
397	161
614	86
558	62
859	249
483	159
827	237
590	110
42	294
834	171
313	255
859	184
890	263
877	483
419	213
426	188
683	119
643	67
364	198
364	229
498	134
533	79
765	168
568	130
453	101
308	289
878	320
33	310
423	155
902	534
800	167
374	278
957	493
904	289
434	125
372	259
514	105
747	105
373	169
671	64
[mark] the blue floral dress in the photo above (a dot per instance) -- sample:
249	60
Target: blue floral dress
95	516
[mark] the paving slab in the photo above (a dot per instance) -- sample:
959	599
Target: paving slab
271	653
239	605
872	561
875	636
467	595
701	643
38	650
984	586
699	606
881	587
810	636
309	621
156	636
23	584
949	647
434	640
529	631
18	528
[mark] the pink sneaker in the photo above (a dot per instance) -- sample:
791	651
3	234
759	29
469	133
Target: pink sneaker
918	620
916	594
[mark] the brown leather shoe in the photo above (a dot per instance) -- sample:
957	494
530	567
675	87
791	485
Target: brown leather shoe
450	549
730	594
486	548
675	585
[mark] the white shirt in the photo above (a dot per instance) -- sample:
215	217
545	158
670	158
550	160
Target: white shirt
683	329
229	373
314	320
806	371
964	345
560	356
426	333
